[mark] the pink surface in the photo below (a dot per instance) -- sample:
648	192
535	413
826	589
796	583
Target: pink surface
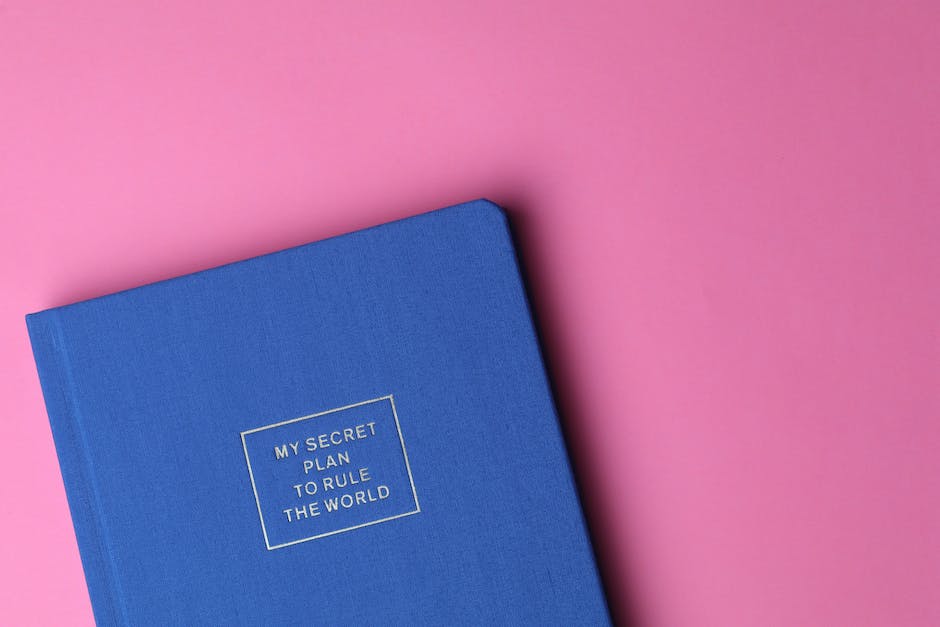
730	214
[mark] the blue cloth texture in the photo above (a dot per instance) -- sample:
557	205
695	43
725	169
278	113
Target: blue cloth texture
176	406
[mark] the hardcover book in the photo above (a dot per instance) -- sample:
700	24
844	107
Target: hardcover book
354	431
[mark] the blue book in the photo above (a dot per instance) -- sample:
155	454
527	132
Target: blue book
354	431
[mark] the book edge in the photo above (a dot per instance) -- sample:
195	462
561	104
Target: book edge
561	440
52	367
477	204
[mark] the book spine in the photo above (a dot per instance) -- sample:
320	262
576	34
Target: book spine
56	380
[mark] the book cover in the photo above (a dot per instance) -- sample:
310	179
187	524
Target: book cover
354	431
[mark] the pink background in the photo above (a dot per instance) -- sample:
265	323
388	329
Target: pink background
729	212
